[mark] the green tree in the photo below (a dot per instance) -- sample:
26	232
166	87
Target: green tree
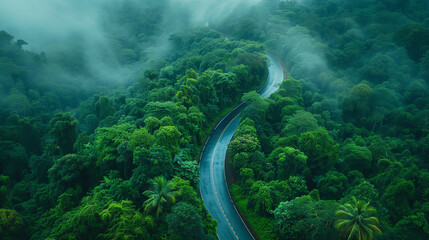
305	218
13	159
321	150
379	148
377	69
357	221
241	160
68	171
287	223
196	120
287	161
246	127
262	198
185	192
364	191
152	124
188	170
207	94
242	73
414	37
4	182
187	93
185	222
30	138
257	106
293	89
398	196
140	137
297	185
109	143
226	87
356	104
153	162
168	136
104	108
332	185
12	225
161	109
123	221
357	157
63	128
274	112
300	122
82	222
245	143
413	227
161	192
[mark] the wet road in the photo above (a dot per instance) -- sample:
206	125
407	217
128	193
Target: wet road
213	187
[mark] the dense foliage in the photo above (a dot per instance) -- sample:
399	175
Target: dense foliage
123	163
341	149
348	123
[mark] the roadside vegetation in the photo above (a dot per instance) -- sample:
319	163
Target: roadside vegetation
340	151
124	163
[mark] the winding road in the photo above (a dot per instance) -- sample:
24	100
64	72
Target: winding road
213	186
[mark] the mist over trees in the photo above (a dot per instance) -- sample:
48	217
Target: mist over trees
81	154
105	107
349	120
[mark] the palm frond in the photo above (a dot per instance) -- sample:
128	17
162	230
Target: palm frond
343	214
357	221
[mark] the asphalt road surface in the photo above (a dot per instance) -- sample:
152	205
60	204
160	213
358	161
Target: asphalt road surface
213	186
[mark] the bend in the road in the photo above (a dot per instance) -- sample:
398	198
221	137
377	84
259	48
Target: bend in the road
213	186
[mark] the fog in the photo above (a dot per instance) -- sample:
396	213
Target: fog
42	22
308	61
207	11
48	21
61	27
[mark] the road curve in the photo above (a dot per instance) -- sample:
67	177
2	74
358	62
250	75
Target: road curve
213	186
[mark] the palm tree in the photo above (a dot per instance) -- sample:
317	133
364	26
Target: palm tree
357	221
160	193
